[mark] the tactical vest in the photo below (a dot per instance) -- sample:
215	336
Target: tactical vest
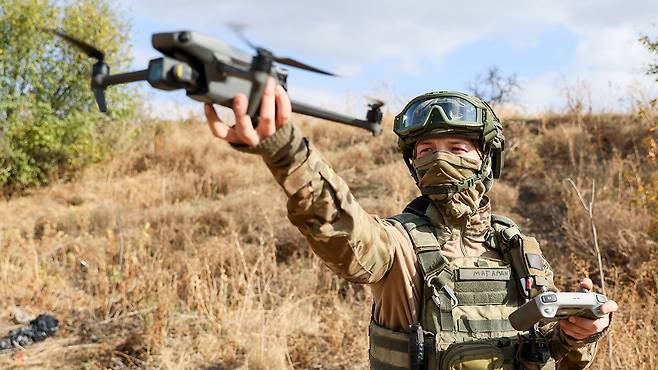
466	303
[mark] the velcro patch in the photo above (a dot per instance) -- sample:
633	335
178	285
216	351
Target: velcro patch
485	273
536	261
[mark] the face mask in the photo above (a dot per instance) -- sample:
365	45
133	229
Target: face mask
444	168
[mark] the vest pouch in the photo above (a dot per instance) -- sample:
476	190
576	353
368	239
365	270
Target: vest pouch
474	356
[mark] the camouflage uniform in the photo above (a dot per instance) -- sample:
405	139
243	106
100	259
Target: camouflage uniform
364	248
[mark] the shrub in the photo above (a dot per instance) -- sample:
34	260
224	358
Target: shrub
50	125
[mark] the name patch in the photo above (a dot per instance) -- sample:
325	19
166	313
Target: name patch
485	273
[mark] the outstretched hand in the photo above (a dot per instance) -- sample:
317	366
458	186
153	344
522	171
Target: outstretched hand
580	327
275	110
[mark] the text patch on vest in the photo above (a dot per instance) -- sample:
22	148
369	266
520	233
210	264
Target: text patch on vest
485	273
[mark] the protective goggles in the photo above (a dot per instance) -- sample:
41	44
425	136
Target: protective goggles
451	111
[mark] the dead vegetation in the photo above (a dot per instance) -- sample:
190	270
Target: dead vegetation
177	253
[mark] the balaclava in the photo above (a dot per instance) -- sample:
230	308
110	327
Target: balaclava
445	168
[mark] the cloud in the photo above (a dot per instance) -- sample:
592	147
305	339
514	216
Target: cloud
611	48
409	40
366	31
607	63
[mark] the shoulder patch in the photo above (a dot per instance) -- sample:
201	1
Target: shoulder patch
536	261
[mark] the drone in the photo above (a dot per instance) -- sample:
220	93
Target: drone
211	71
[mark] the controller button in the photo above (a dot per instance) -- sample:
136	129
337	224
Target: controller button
601	298
549	298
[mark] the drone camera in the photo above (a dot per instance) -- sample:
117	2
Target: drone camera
171	74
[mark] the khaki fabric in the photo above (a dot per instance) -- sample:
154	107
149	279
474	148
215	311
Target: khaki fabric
363	248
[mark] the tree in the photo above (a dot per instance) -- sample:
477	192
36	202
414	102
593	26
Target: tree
494	88
652	46
49	124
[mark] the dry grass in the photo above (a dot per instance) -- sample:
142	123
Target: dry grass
177	253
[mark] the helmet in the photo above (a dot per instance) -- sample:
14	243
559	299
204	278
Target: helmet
452	113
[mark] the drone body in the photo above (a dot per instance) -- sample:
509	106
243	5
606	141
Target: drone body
212	71
226	71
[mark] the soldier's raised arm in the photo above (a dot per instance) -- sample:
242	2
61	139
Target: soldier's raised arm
354	244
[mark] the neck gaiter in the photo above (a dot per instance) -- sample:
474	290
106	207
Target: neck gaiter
445	168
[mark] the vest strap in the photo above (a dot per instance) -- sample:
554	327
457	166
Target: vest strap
426	245
524	255
445	313
389	349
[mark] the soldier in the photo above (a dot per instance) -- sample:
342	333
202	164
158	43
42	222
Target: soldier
445	274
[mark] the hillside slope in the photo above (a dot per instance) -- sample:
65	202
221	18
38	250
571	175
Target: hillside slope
177	253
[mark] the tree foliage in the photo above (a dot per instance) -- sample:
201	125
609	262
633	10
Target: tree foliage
49	122
652	46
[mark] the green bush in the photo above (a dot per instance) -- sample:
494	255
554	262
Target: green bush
50	126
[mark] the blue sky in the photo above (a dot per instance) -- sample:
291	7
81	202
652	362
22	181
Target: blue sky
396	50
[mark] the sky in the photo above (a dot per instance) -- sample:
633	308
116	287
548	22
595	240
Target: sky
395	50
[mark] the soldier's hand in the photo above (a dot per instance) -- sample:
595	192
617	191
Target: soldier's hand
275	110
580	327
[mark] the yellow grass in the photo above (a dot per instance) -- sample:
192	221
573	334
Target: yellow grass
177	253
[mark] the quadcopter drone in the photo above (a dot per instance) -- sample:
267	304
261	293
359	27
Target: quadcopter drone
212	71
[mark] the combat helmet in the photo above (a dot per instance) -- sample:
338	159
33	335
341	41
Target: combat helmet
456	114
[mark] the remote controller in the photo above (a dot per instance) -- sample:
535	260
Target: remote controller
550	306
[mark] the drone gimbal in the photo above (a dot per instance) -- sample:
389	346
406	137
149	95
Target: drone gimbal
212	71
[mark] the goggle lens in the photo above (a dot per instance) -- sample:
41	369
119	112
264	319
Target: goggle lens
448	109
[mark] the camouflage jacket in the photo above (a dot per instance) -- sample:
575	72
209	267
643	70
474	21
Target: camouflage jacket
364	248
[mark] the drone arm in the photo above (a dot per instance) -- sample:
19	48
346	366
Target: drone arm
122	78
102	79
302	108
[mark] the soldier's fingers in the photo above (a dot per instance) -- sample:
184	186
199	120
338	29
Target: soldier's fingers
266	116
583	323
574	330
283	106
586	284
218	128
590	326
609	306
243	127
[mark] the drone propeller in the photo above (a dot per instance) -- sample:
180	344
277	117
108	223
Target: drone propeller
239	28
374	102
86	48
100	70
297	64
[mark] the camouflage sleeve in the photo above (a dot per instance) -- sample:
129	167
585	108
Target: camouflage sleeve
354	244
568	352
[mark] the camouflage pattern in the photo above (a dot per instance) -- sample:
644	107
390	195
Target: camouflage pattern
363	248
441	168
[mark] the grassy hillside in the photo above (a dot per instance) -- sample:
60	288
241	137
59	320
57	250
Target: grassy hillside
177	252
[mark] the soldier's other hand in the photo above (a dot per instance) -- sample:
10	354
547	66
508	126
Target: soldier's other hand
579	327
275	110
